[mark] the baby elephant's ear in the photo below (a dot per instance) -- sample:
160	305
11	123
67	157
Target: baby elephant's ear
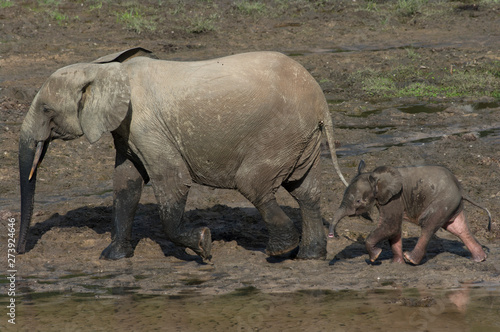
388	183
361	166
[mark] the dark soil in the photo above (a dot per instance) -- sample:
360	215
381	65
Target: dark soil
72	221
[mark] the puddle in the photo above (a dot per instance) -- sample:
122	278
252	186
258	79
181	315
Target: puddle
402	131
484	105
491	136
384	140
247	309
420	108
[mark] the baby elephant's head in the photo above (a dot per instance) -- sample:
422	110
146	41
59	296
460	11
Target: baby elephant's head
365	190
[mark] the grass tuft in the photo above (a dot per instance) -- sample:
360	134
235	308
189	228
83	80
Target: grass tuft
135	20
412	81
6	3
200	23
410	7
250	8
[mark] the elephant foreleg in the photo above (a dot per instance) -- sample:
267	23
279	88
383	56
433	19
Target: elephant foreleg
127	189
395	241
397	248
371	244
389	227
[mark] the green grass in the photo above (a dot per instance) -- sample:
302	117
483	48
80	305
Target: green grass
59	17
200	23
411	53
413	81
135	20
96	6
251	8
53	3
410	7
378	86
6	3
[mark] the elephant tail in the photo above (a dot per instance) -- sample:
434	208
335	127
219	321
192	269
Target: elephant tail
481	207
327	124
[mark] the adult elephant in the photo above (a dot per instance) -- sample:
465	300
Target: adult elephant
250	122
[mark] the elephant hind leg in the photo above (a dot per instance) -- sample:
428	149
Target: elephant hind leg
307	193
458	226
258	185
283	235
431	220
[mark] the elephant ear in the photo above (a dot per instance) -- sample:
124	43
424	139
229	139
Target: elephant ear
123	56
387	182
105	99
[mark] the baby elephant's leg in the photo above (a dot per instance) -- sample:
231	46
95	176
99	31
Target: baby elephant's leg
458	226
397	248
389	227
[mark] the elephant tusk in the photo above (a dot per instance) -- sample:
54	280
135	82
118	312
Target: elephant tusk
36	160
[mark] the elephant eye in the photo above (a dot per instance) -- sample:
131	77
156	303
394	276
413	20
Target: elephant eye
45	109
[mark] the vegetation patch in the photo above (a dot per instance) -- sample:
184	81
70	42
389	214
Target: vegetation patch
410	7
251	7
135	20
59	17
421	82
6	3
201	23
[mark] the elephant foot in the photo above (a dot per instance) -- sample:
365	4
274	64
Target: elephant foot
117	251
409	258
308	253
204	249
281	248
314	250
374	253
479	257
282	240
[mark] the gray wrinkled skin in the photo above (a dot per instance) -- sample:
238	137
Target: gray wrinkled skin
429	196
251	122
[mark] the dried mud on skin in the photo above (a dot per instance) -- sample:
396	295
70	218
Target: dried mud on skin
72	221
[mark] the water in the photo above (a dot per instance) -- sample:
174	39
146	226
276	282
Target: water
247	309
420	108
389	134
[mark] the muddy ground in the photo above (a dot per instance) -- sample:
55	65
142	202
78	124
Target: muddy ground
72	221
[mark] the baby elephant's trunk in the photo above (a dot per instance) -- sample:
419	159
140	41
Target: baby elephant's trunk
341	213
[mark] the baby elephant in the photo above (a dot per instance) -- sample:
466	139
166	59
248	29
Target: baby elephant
429	196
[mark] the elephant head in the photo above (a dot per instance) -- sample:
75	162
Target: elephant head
81	99
365	190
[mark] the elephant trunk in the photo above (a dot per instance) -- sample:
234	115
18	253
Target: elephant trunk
31	154
339	214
